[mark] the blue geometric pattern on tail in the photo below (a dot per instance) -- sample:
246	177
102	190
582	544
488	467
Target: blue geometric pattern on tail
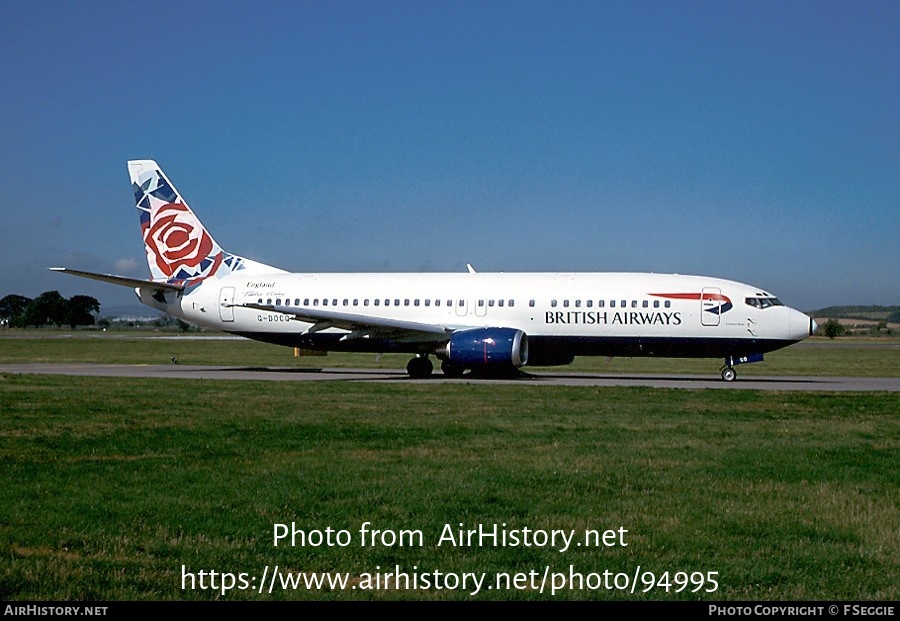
179	248
164	191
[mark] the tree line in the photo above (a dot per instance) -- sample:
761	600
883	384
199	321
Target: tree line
49	308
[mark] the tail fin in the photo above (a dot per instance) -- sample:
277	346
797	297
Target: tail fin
179	248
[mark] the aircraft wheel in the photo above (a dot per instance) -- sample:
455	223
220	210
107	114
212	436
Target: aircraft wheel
452	369
728	374
419	368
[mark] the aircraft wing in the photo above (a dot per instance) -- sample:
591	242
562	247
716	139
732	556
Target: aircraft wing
121	280
360	326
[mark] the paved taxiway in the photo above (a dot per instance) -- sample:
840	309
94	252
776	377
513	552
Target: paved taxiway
890	384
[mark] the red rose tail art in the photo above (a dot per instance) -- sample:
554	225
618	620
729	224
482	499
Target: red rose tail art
179	248
175	239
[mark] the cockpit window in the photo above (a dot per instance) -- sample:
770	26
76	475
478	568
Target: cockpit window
763	301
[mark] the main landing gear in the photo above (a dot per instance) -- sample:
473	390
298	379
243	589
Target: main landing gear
419	367
452	369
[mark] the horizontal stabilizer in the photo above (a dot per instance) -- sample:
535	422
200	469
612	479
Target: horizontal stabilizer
121	280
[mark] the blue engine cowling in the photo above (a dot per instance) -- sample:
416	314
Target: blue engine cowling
481	347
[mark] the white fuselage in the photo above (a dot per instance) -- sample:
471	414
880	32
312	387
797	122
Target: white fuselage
580	313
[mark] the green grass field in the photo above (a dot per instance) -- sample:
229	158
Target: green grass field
842	357
111	488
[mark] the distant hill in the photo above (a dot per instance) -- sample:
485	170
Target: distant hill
889	314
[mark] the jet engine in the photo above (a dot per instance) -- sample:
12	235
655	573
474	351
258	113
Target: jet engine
481	347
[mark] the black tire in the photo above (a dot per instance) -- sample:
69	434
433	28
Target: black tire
419	368
729	374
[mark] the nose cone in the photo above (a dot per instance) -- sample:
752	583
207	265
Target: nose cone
801	325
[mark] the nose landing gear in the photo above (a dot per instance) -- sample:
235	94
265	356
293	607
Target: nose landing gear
728	372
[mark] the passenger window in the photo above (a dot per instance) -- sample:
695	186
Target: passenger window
633	303
668	303
427	302
531	303
577	303
377	301
512	302
655	303
589	303
601	303
645	304
612	303
491	303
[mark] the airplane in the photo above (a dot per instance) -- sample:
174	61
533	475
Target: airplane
473	322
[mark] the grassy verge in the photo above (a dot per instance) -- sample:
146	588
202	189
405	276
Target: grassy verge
840	358
110	489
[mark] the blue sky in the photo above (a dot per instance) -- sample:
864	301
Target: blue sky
755	141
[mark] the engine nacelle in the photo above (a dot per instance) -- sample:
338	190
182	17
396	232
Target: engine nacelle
481	347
